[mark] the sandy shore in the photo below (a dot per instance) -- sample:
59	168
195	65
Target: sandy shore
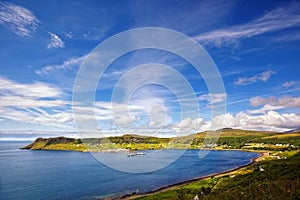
261	156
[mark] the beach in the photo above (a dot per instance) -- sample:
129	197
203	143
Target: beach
262	155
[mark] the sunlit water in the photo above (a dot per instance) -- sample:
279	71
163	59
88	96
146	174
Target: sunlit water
27	174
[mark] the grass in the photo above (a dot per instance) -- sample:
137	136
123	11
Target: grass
187	191
58	146
269	179
66	147
284	135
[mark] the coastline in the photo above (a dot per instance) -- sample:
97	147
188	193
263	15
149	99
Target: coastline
260	157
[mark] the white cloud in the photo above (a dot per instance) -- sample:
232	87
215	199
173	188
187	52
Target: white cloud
18	19
283	102
34	90
277	19
189	125
257	101
264	76
66	65
125	119
213	98
29	102
34	103
289	84
116	113
55	42
265	108
269	121
135	116
61	120
69	35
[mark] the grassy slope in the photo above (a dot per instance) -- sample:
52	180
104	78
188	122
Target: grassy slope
229	139
269	179
59	143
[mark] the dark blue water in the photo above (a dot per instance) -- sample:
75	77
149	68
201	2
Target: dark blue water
29	174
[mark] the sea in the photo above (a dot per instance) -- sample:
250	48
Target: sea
28	174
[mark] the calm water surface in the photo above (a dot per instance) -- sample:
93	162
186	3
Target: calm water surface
29	174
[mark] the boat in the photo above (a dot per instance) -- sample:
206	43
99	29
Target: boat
136	154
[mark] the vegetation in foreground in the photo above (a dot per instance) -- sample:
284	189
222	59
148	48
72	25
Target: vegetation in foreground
270	179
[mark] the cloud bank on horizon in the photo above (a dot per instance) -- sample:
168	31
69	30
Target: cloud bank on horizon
255	46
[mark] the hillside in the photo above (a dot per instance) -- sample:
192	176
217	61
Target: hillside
229	139
270	178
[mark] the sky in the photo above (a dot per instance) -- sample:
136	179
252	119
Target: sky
44	45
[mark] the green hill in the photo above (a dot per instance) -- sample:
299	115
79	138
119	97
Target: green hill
228	139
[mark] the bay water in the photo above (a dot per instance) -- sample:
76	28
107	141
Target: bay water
28	174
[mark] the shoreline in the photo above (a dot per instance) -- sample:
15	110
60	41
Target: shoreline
261	156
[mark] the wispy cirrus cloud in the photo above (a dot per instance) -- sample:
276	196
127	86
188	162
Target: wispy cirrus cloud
289	84
55	41
34	90
18	19
35	103
264	76
34	116
275	20
66	65
27	102
213	98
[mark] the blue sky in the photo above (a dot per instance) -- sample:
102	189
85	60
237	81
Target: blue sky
254	44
